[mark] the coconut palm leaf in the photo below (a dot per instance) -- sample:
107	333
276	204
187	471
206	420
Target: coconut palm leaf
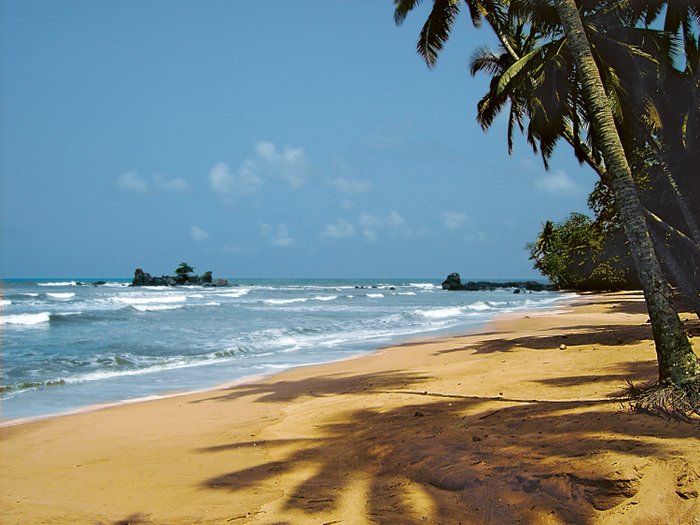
436	30
402	8
485	60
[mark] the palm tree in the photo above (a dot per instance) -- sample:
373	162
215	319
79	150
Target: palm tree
182	272
543	86
678	365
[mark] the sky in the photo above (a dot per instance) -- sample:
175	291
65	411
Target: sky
258	139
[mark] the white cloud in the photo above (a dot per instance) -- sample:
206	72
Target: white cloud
132	182
453	220
289	163
370	235
243	182
198	234
340	229
176	184
282	238
265	229
556	182
349	186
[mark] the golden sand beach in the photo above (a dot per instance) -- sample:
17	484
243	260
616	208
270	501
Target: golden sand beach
518	423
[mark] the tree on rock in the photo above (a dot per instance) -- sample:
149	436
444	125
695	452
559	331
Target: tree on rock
182	272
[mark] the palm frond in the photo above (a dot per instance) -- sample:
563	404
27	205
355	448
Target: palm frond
524	66
485	60
676	12
538	14
650	116
488	108
528	66
402	8
475	12
515	117
436	30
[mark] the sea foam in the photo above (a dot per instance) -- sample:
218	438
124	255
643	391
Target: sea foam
235	293
26	319
61	295
155	307
440	313
480	306
285	301
150	300
425	286
325	297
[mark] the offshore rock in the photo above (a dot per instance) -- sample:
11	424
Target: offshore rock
142	278
453	282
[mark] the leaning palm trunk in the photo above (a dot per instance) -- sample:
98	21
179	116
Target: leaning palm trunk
685	285
678	365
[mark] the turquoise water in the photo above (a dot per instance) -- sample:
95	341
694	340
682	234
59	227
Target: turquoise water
67	344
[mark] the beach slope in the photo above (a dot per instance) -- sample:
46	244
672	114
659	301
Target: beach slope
515	424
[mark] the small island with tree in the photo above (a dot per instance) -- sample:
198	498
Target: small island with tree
183	277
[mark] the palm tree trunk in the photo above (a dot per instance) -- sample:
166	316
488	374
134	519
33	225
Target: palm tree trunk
677	362
685	286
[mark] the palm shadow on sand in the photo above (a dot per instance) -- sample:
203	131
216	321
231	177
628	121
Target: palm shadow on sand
442	458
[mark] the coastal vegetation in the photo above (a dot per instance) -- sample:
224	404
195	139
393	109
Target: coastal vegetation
619	82
581	254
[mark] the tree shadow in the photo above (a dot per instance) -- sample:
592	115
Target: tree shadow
463	460
281	391
600	335
436	457
636	371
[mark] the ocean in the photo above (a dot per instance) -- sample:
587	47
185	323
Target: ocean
71	344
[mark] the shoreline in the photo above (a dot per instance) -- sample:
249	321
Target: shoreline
436	335
501	425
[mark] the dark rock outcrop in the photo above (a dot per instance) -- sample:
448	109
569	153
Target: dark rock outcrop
142	278
454	282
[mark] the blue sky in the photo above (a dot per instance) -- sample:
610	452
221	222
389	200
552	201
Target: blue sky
258	139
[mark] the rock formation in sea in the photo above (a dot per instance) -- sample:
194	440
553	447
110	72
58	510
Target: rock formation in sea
454	282
142	278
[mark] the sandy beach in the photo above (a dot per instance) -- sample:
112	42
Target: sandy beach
517	423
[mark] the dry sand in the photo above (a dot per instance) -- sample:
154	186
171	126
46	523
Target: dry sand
499	427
